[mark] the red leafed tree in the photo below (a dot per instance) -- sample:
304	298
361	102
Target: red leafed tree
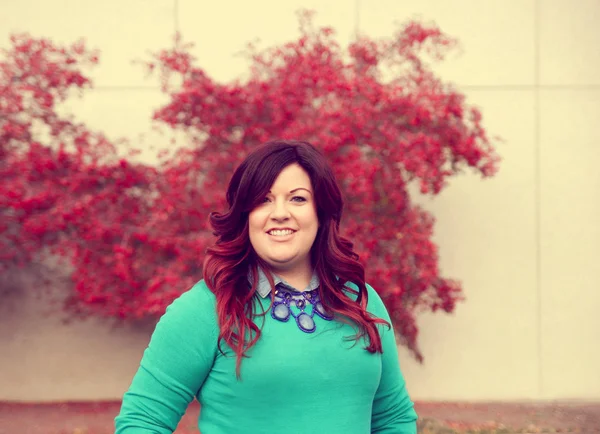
135	235
64	190
379	133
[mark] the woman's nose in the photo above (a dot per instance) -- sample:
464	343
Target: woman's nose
280	210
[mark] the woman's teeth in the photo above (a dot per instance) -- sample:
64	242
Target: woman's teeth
279	233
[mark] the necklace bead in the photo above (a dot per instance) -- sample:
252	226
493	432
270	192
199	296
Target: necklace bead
281	309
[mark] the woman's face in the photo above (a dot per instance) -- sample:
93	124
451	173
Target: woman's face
283	228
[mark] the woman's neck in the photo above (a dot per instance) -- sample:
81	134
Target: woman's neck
299	278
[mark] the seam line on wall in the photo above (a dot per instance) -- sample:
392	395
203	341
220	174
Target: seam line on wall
537	194
176	16
509	87
356	19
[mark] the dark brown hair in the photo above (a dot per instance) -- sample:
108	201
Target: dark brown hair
227	263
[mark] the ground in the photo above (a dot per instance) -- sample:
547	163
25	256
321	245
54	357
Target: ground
436	418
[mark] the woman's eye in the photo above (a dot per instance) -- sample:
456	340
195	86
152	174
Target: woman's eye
294	199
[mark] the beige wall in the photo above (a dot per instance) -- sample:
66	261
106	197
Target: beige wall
524	244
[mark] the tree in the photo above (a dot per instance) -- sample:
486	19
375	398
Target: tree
64	189
136	234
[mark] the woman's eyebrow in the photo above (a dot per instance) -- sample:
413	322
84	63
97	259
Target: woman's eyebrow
295	189
300	188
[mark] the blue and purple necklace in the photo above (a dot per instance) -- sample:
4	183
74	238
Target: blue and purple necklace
285	298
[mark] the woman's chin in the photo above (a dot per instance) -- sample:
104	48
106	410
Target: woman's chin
281	261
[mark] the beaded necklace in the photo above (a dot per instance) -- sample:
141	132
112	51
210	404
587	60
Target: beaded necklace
286	297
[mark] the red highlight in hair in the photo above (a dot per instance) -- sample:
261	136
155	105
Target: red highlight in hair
228	261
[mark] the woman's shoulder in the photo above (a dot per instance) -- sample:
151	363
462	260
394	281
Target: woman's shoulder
198	292
375	304
201	290
196	303
190	321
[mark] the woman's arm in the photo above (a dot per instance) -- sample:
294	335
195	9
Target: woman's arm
393	410
173	367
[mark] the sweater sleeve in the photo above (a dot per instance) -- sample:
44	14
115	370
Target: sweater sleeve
393	410
173	367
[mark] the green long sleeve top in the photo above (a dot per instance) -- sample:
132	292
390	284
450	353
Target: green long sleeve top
293	382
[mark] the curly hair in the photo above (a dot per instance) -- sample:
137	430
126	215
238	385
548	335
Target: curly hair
228	261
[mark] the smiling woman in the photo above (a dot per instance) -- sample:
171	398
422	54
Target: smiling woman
283	228
278	256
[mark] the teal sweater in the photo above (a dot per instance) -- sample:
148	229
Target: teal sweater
292	383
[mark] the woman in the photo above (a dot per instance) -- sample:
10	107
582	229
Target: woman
282	335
